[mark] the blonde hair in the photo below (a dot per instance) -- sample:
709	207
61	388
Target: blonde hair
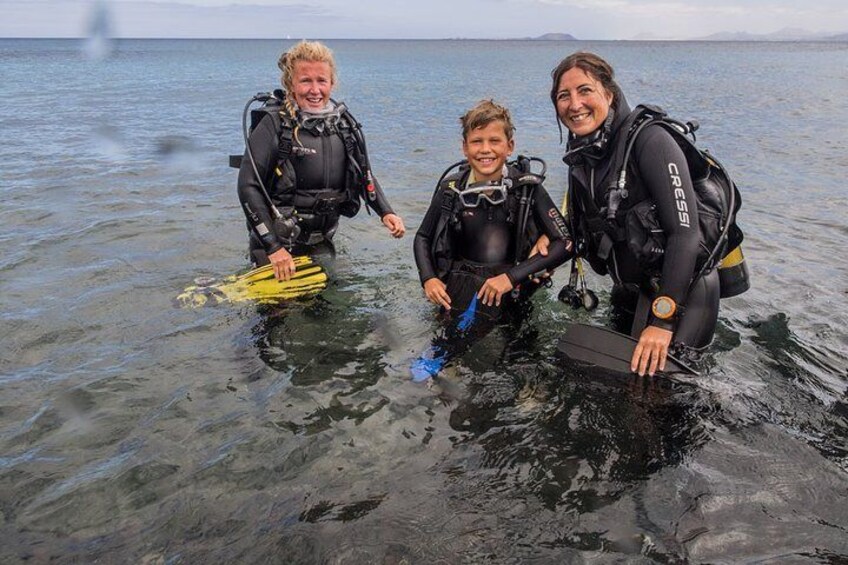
312	51
484	113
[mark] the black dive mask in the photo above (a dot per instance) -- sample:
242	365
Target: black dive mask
591	146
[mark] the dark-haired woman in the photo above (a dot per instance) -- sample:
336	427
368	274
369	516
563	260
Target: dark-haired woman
664	310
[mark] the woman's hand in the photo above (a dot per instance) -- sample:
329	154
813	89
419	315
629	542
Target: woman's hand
283	264
437	293
493	289
651	351
541	246
394	224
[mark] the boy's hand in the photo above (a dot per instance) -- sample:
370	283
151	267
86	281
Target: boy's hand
394	224
493	289
437	293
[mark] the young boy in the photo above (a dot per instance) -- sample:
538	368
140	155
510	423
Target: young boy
483	219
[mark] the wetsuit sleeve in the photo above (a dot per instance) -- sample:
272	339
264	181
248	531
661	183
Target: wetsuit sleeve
422	244
380	204
665	173
551	223
375	200
263	144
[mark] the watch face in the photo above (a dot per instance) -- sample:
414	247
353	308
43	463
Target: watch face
663	307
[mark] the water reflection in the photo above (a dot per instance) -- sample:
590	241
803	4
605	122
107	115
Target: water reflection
803	378
330	348
577	439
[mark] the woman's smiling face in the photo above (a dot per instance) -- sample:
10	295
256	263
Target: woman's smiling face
582	103
312	82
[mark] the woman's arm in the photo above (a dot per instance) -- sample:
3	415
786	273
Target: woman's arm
263	145
392	221
665	172
376	199
548	218
550	221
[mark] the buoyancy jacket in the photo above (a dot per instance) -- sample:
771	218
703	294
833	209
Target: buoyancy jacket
323	175
660	180
450	234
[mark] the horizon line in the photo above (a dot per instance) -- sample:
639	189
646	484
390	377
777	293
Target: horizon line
825	39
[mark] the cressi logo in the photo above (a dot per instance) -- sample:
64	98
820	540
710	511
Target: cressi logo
679	195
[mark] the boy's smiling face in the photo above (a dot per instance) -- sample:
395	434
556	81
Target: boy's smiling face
487	148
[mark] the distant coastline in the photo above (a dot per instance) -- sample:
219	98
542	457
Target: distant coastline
797	36
786	34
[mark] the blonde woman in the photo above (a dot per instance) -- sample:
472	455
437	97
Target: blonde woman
305	164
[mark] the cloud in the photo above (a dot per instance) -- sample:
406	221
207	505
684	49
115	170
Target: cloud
586	19
145	18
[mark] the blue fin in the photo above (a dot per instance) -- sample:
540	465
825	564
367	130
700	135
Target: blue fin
435	358
428	364
466	319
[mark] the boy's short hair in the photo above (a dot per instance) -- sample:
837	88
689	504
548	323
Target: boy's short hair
484	113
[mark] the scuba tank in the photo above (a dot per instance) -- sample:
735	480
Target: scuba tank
733	274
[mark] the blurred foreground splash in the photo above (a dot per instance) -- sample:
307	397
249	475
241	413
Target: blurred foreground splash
99	43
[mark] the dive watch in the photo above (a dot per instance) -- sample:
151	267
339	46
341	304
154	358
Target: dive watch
664	308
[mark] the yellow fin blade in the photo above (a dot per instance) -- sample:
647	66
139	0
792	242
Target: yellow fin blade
258	285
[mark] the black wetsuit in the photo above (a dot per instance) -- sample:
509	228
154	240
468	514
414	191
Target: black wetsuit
318	181
658	172
483	242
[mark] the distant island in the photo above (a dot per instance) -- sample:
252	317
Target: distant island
554	37
786	34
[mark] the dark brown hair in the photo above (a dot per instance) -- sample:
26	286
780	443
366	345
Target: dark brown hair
592	65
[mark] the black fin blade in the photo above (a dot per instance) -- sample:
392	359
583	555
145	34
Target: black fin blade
608	349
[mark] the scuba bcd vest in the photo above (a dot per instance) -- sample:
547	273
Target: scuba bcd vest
522	183
718	201
359	180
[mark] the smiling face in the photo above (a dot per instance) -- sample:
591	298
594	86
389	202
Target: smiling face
487	148
312	82
582	103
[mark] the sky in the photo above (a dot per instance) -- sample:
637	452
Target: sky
423	19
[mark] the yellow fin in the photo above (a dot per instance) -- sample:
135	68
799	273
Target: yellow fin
258	285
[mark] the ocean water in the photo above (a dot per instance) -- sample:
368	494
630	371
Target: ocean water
134	430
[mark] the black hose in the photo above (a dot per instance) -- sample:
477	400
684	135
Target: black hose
261	97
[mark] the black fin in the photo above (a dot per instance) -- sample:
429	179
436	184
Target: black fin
608	349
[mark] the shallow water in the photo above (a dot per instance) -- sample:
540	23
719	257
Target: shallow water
135	430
